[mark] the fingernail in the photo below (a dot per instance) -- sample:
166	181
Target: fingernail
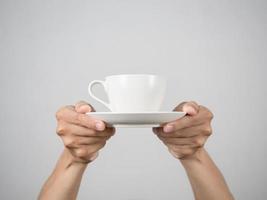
168	128
100	126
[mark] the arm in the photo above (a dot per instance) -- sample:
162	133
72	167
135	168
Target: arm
83	137
206	180
65	180
185	139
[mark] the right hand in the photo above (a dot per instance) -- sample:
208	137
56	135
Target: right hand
82	135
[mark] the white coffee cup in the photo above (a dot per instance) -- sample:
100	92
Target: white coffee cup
132	92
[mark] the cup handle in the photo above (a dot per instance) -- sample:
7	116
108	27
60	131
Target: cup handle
90	87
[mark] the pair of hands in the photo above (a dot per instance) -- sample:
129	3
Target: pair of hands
84	136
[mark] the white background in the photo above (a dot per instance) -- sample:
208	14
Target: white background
213	52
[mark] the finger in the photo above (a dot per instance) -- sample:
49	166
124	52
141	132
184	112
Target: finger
65	128
195	141
69	114
203	116
191	107
203	129
176	141
182	133
83	107
77	141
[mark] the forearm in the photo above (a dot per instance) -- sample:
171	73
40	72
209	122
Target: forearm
64	182
206	180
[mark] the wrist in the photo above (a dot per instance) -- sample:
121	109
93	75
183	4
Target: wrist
197	157
71	161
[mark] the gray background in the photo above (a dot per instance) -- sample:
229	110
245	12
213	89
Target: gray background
213	52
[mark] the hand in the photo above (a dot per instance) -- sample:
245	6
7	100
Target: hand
186	136
82	135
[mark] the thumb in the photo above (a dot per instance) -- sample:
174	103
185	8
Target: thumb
83	107
190	108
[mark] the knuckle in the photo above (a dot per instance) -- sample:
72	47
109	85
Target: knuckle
61	129
199	142
69	142
207	130
210	115
206	112
81	153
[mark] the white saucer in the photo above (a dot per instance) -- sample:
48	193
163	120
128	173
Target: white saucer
137	120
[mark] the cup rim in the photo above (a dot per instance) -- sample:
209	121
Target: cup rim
118	75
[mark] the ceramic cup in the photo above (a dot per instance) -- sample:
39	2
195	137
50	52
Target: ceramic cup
132	92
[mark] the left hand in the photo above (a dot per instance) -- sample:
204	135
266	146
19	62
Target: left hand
186	136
